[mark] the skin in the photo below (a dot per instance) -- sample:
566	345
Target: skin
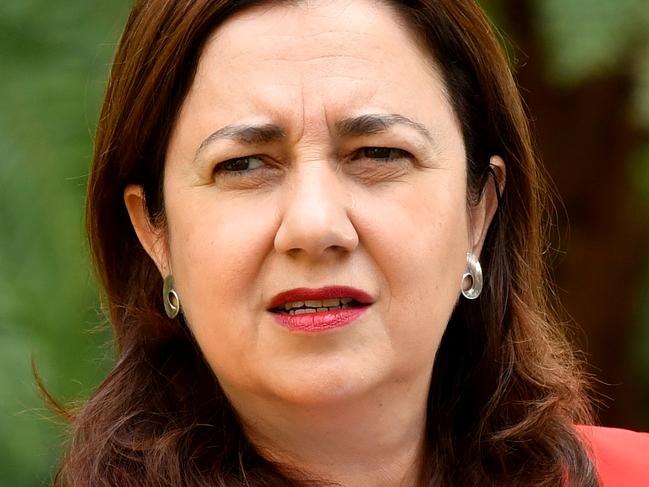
314	209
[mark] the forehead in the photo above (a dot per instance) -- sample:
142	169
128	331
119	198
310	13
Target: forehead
318	61
319	25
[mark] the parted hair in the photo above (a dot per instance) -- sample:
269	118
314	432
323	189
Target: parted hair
506	389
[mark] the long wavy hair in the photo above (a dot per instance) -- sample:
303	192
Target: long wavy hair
506	389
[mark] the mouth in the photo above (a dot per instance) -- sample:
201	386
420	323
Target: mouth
317	306
312	310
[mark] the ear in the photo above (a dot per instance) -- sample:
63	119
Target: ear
151	238
482	214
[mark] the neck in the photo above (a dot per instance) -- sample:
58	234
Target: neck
377	440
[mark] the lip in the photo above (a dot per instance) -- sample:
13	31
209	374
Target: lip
330	292
323	320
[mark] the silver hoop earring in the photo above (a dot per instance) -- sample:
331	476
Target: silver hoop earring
170	297
473	274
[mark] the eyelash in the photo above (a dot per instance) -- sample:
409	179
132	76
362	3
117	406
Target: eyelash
393	154
220	168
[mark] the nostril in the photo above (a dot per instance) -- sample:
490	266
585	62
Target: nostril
315	243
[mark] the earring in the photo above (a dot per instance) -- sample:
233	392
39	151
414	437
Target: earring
170	297
474	274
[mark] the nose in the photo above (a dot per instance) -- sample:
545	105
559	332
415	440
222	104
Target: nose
315	214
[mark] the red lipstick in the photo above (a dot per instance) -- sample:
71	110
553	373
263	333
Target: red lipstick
314	310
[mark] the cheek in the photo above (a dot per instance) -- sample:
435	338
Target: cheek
418	238
218	247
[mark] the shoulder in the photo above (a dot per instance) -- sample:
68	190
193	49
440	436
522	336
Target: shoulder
621	456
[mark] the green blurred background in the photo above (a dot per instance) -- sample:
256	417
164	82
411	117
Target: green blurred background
583	66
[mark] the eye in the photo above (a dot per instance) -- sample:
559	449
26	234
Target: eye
240	164
382	153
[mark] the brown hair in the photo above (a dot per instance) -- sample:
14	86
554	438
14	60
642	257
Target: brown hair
506	389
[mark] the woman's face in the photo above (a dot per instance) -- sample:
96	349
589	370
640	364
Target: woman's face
316	149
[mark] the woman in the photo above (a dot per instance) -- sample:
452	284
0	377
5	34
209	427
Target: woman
339	203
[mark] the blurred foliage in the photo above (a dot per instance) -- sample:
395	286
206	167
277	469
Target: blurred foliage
585	38
54	58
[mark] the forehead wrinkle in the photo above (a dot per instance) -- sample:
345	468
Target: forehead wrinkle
318	52
312	35
303	100
314	58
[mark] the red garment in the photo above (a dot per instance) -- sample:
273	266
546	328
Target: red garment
621	456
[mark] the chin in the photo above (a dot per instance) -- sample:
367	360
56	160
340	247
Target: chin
325	381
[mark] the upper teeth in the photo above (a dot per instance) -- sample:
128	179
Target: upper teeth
325	303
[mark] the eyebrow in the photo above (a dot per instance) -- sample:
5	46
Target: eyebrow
376	123
366	124
245	134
